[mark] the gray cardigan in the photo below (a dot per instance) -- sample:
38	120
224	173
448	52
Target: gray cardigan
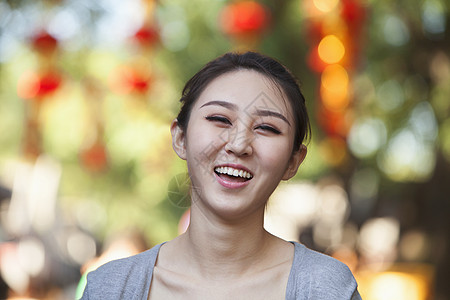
313	276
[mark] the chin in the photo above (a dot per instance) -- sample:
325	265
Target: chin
233	209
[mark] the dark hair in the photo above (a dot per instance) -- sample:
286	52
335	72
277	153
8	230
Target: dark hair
265	65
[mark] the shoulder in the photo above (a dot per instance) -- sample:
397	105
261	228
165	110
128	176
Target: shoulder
123	278
321	275
321	265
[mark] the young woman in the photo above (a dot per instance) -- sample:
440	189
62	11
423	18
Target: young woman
240	129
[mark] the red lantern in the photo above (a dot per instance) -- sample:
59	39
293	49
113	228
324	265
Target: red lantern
49	83
314	61
147	36
32	85
131	79
334	123
246	18
95	158
44	43
139	83
353	13
314	32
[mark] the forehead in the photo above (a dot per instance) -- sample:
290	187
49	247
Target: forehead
248	89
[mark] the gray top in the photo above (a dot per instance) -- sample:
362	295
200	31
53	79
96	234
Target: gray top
313	276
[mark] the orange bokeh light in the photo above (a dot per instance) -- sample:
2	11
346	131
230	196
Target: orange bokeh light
335	78
333	150
331	50
334	101
334	88
325	5
400	282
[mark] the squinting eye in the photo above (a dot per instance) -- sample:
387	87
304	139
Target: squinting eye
218	119
269	128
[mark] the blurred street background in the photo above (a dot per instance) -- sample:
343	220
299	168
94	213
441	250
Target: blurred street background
87	172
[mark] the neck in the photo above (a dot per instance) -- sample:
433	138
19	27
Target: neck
225	248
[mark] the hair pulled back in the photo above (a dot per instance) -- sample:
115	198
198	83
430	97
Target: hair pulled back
265	65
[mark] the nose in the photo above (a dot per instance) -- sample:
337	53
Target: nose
239	141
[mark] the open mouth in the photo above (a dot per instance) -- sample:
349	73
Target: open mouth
233	174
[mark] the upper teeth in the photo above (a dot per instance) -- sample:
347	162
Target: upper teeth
233	172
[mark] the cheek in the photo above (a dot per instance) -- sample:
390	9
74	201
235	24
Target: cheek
276	155
202	141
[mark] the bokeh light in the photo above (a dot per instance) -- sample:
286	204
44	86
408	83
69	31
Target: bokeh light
378	239
367	136
334	89
326	5
433	17
88	90
395	31
396	285
390	95
331	50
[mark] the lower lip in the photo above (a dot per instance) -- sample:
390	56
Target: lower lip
231	184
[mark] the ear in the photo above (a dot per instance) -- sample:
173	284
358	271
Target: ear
178	139
295	161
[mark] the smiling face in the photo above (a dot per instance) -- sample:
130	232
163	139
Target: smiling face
238	145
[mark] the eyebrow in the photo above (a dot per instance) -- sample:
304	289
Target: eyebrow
225	104
259	112
270	113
